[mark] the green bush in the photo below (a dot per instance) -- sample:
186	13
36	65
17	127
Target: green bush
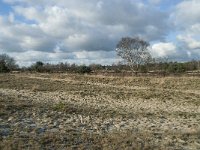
38	66
3	67
143	68
7	63
176	68
84	69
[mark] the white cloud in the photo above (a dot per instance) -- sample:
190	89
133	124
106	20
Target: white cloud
186	18
29	57
195	28
163	49
190	41
187	13
78	28
30	13
88	30
83	57
93	55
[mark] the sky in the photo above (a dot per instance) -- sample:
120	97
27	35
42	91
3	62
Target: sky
87	31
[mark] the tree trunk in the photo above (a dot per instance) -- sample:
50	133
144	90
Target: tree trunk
136	70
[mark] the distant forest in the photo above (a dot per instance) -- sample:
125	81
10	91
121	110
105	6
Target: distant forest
159	66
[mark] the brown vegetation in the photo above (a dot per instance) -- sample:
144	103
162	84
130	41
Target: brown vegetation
59	111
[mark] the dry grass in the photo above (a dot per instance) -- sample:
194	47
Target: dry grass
99	112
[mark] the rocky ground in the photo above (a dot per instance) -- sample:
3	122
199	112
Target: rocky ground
43	111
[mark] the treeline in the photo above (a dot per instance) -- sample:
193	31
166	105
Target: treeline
157	67
160	67
60	67
8	64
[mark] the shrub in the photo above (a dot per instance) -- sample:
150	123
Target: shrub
143	68
84	69
38	66
7	63
3	67
176	68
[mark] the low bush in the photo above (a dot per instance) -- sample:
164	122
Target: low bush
3	67
84	69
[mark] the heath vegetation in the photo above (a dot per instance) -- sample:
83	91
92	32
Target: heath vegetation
72	111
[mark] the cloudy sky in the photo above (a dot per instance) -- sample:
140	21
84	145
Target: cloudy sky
87	31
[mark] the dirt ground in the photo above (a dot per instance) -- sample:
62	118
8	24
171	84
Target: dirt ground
63	111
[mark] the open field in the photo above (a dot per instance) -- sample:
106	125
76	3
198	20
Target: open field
60	111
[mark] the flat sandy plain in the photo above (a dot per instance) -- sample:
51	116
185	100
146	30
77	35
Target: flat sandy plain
61	111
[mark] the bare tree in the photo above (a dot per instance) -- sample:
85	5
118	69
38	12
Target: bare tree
9	62
134	51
